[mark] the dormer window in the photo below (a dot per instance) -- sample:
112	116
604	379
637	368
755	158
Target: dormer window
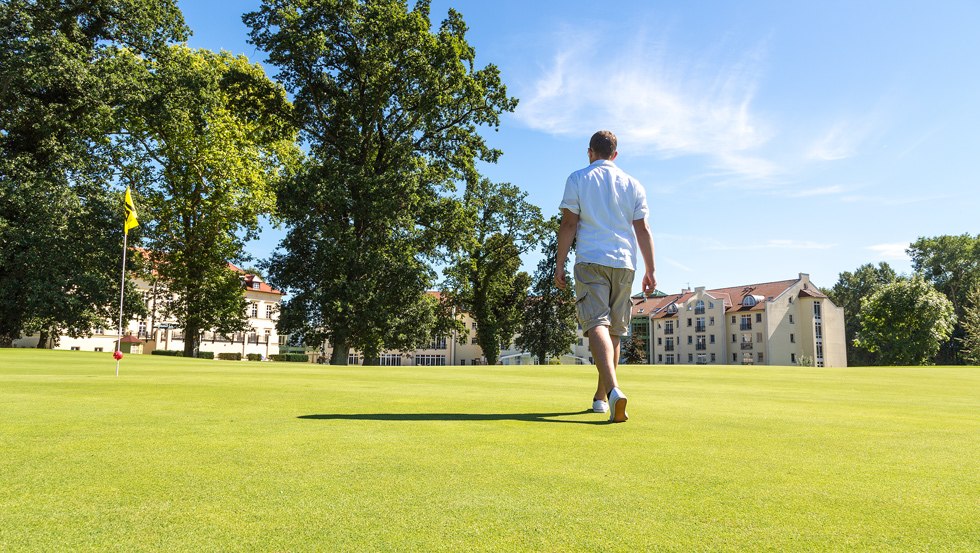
699	307
672	308
748	301
255	286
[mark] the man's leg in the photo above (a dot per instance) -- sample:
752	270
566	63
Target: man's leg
601	393
603	351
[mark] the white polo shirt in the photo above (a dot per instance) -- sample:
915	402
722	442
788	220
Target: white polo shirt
607	201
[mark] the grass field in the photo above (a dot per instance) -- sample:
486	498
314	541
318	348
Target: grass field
196	455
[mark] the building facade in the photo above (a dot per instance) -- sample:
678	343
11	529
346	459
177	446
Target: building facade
160	331
788	322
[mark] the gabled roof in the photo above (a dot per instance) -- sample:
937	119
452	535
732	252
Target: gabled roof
732	298
249	280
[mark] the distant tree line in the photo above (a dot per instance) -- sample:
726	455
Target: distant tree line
930	317
365	147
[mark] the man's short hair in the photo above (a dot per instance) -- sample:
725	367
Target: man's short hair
603	144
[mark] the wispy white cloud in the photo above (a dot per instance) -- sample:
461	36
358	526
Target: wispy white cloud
657	101
677	264
821	191
892	251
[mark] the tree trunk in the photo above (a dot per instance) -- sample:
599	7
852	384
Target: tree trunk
541	359
340	350
190	341
42	341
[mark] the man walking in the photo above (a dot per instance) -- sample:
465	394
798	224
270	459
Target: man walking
604	211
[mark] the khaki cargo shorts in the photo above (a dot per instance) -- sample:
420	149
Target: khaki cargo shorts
602	297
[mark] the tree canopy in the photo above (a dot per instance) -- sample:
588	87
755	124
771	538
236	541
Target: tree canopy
847	293
905	322
390	112
60	220
207	138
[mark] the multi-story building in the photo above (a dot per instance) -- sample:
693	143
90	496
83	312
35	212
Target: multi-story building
790	322
160	331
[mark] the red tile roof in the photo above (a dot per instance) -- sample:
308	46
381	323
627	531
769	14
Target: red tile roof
732	298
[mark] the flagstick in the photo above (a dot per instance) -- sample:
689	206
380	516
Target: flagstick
122	292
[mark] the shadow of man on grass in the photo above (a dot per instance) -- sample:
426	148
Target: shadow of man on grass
461	417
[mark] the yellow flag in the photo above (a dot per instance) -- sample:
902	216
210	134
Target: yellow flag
131	221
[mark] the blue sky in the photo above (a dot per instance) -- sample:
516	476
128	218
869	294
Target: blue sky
773	138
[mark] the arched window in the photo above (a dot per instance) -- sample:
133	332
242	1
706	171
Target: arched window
699	307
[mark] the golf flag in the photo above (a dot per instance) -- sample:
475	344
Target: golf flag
131	221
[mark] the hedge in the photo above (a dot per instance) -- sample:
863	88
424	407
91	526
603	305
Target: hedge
169	352
236	356
254	356
292	357
205	355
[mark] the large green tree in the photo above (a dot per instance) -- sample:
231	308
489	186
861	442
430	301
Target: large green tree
952	265
847	293
207	138
905	322
970	343
60	220
390	113
548	323
484	278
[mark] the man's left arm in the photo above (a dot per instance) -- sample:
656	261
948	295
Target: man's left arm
644	240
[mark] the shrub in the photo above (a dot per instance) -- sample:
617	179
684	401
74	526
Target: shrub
230	356
205	355
254	356
290	357
168	352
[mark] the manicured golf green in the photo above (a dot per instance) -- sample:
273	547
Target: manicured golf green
196	455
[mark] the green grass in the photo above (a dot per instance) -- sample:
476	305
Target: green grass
193	455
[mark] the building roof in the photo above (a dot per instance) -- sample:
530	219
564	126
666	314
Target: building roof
732	298
249	280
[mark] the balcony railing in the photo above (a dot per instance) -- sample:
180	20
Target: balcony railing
699	310
669	348
669	330
701	347
700	328
746	326
746	345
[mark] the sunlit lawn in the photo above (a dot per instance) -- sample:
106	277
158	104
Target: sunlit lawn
192	455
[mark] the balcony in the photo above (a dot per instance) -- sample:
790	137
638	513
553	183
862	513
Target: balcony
700	328
669	347
745	326
699	310
746	345
669	330
701	347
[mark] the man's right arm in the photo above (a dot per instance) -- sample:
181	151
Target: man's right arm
566	235
644	240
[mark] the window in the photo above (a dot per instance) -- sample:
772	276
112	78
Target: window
792	339
660	341
711	305
256	286
791	320
255	310
690	357
462	361
700	326
668	327
438	343
759	356
268	311
473	340
688	321
98	330
98	349
816	310
430	360
699	307
792	358
818	330
579	341
669	345
353	359
820	351
733	339
713	358
734	358
75	348
733	319
670	359
391	360
712	339
690	340
758	337
746	322
702	344
758	317
711	321
142	329
660	358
